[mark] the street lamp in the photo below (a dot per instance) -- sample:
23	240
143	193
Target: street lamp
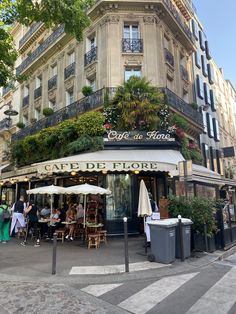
10	111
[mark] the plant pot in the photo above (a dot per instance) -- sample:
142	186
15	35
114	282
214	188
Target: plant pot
199	243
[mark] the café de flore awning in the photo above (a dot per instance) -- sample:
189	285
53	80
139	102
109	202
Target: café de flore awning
114	160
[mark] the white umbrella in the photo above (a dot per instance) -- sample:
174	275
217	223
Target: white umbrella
51	189
144	207
144	204
86	189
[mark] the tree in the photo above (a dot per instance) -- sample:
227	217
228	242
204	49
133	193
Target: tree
137	105
70	13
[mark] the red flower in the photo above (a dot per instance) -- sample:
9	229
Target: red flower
107	126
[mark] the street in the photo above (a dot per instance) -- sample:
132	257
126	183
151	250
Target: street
207	289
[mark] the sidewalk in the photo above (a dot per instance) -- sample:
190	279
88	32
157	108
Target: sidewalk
105	264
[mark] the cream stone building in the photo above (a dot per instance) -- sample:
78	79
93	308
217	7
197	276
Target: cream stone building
226	110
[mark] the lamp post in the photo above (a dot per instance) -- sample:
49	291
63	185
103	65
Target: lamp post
10	111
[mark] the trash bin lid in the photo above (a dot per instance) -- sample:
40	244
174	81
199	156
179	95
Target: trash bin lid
166	223
185	221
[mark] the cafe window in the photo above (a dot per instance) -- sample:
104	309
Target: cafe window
119	203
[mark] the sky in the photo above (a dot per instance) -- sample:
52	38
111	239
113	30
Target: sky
219	22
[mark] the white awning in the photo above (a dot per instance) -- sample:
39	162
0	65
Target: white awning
114	160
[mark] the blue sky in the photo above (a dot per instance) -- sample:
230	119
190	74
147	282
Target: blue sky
219	21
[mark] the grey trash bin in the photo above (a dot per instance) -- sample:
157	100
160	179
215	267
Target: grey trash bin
186	235
162	234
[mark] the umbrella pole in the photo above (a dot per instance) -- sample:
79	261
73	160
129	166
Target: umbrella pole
145	235
85	199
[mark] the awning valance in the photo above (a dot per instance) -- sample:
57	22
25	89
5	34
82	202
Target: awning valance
114	160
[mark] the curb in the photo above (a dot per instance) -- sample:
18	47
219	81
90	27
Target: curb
227	253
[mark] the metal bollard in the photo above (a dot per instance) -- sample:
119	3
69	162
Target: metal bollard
205	237
54	254
181	240
126	245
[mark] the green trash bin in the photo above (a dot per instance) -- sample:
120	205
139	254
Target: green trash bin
162	234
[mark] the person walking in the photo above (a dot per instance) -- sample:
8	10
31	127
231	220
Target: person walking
32	222
5	214
18	219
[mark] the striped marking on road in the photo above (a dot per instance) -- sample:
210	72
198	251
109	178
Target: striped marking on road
146	299
219	298
98	290
114	269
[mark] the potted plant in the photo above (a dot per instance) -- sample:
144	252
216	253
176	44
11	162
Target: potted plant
47	111
87	90
20	125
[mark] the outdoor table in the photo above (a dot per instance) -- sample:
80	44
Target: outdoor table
69	222
93	227
43	221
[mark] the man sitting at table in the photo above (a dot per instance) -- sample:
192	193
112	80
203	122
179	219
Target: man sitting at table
56	222
45	212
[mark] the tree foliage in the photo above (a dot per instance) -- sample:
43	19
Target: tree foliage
70	13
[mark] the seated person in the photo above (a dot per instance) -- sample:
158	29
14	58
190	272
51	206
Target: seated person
70	216
80	213
45	212
56	222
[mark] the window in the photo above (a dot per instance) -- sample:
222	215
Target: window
38	82
69	97
213	101
71	58
212	158
36	114
92	83
204	121
210	74
131	31
204	65
205	152
216	130
218	161
207	94
208	54
197	59
90	43
25	120
53	70
26	90
210	125
200	91
130	71
201	40
195	29
52	104
119	203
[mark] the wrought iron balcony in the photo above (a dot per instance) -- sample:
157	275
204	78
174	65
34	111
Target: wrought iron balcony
69	70
180	105
175	14
25	101
52	82
38	92
40	50
132	45
184	73
90	56
73	110
5	123
30	32
169	57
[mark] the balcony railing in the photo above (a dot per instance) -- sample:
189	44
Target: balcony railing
8	88
180	105
179	19
39	51
38	92
90	56
132	45
52	82
73	110
30	32
5	123
69	70
25	101
184	73
169	57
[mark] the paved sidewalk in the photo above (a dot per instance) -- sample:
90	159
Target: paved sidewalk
75	261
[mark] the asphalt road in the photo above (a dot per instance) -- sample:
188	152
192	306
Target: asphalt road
205	290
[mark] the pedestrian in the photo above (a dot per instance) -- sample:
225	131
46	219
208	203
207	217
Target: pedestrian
18	219
32	223
5	214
